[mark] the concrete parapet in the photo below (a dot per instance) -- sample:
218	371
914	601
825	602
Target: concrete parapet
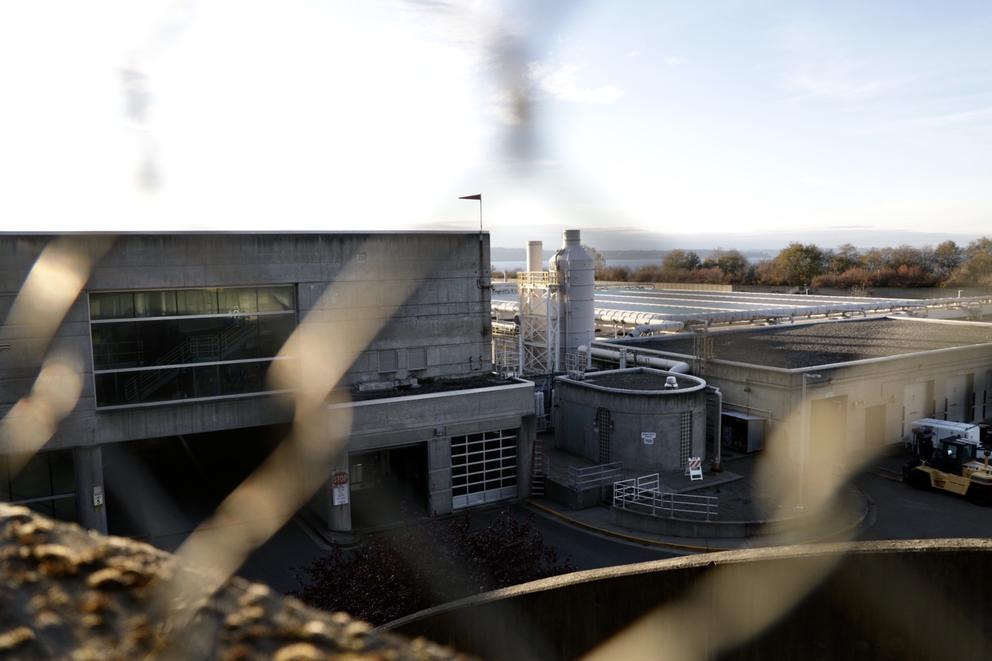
911	599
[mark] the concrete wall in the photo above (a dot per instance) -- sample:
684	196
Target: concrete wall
631	415
776	394
433	419
441	330
918	599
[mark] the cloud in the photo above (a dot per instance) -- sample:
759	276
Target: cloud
674	60
561	83
812	181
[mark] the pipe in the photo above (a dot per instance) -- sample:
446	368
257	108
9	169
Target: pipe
676	366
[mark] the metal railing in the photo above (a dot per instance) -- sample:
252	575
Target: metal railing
537	278
585	477
644	495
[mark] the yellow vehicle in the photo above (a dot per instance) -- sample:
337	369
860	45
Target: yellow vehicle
953	466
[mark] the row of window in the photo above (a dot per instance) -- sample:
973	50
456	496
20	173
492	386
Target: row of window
179	302
178	383
127	344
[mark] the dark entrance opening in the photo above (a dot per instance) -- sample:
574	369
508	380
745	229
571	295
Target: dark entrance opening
388	486
160	489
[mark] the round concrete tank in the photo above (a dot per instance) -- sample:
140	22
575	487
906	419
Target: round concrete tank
577	275
535	256
634	416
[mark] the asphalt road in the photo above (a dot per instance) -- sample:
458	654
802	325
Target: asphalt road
901	512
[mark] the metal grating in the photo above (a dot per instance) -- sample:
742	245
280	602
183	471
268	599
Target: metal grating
603	426
685	437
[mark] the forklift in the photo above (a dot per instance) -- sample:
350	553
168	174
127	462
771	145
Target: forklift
956	464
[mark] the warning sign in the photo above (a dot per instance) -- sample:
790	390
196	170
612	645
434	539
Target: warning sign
341	494
695	468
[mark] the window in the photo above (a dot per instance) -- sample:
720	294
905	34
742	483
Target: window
168	345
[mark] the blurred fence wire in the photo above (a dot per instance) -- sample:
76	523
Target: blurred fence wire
721	611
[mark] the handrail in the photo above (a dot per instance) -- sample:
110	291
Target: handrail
643	495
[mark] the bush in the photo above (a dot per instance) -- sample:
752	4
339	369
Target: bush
402	571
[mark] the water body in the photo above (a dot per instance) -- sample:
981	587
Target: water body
632	264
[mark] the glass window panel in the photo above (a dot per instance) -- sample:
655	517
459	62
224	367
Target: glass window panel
276	299
196	301
107	392
207	381
239	339
197	340
231	300
116	345
155	385
111	305
273	332
155	303
243	378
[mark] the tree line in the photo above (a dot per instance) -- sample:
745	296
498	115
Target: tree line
799	264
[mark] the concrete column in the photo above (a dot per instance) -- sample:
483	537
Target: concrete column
439	475
91	506
339	516
525	453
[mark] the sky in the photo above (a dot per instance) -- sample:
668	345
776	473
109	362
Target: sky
649	124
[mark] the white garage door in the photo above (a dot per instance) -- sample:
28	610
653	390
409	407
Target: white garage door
956	392
915	405
483	468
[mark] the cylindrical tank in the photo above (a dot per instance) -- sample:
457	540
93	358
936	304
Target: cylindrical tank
535	256
577	277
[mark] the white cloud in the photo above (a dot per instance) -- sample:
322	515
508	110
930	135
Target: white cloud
674	60
561	83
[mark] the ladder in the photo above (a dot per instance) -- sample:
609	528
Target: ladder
537	469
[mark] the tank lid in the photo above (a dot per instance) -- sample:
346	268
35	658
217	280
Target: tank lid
572	238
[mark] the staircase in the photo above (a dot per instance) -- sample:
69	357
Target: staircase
537	471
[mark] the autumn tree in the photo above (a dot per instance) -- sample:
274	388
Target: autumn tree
947	256
797	264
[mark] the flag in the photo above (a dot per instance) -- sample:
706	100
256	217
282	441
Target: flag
472	197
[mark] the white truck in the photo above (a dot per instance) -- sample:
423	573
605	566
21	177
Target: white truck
927	432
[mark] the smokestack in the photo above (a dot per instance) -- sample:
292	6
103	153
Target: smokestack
535	256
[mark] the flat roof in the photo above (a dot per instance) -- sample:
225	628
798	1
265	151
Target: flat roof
824	343
678	305
428	387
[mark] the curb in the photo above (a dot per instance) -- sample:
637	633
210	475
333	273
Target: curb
619	535
689	547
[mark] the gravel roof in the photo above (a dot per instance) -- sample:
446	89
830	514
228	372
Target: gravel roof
825	343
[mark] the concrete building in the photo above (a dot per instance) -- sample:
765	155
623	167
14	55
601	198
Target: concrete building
643	418
177	331
866	379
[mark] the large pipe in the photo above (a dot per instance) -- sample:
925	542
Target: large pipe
535	256
641	359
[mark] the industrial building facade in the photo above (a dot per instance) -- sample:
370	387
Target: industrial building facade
176	333
866	380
